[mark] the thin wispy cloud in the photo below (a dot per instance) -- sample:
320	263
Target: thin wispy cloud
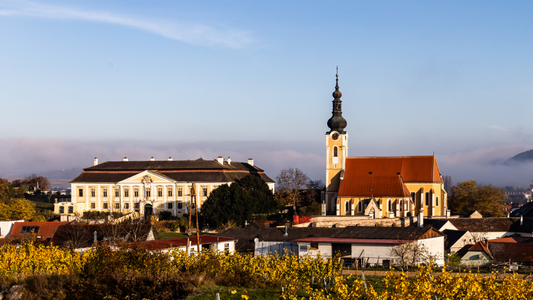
197	34
496	127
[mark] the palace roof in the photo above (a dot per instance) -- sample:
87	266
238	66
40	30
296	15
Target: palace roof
181	170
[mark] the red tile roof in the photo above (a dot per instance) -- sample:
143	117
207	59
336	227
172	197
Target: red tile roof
386	176
480	246
376	186
46	229
411	168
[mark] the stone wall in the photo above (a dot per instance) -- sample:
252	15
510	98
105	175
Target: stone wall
345	221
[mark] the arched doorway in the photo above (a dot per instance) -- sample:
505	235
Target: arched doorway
147	210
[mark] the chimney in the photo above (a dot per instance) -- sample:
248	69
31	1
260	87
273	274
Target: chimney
95	161
251	161
125	158
421	219
220	160
170	158
152	158
229	160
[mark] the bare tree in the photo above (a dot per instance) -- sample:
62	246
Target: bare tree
74	235
411	253
37	182
292	182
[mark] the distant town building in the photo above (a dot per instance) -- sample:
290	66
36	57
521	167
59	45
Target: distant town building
153	186
378	187
521	196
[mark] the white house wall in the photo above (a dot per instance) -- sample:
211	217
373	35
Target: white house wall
263	248
375	253
5	228
475	258
435	247
324	250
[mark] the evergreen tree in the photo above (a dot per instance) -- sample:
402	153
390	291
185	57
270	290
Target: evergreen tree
238	202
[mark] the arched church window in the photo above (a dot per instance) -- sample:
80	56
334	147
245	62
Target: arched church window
389	205
359	206
401	205
335	151
436	201
347	207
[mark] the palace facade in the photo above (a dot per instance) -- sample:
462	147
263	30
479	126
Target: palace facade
150	187
378	187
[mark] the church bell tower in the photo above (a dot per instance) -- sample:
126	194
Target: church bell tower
336	151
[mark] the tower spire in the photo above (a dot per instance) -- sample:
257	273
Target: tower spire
337	122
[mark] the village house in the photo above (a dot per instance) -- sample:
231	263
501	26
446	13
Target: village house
213	243
375	244
499	252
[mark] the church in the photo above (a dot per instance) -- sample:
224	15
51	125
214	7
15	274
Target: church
378	187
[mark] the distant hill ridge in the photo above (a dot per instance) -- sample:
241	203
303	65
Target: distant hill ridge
524	157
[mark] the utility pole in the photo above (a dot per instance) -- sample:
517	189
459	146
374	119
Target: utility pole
190	219
197	226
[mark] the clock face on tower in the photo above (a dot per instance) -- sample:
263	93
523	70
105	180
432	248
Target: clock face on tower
335	136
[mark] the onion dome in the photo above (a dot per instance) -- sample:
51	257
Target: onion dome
337	122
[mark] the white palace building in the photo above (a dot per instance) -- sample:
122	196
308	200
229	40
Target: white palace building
150	187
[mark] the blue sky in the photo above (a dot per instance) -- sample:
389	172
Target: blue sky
186	79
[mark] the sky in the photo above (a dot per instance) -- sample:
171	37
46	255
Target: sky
250	79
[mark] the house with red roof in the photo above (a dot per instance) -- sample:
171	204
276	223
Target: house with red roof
378	187
214	243
504	250
38	230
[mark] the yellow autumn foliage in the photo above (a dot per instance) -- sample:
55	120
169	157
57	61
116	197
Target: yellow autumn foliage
298	276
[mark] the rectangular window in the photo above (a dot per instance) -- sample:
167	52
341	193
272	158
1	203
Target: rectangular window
136	193
314	245
80	192
427	198
170	192
413	195
71	209
169	205
117	205
93	193
126	193
105	193
137	206
61	209
204	192
117	193
159	192
105	205
126	205
147	194
226	246
180	205
303	248
30	229
93	205
180	193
